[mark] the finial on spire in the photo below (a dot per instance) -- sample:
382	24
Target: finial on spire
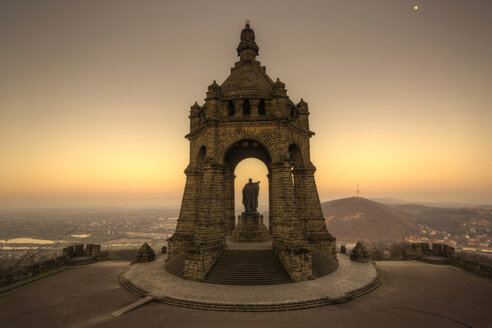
195	107
302	104
247	40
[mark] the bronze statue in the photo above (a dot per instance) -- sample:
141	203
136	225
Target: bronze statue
250	197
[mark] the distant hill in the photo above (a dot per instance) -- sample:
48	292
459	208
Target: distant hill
398	201
451	220
352	219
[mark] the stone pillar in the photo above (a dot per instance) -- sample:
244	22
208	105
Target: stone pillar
425	249
230	217
309	211
209	236
238	106
436	249
288	244
270	196
182	237
185	225
254	107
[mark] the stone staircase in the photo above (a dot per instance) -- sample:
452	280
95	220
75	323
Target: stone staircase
322	263
248	267
176	265
252	267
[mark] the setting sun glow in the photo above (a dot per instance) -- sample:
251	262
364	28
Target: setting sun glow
94	104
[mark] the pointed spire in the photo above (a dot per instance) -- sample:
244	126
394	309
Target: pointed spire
195	107
279	88
247	40
278	84
213	87
302	106
302	103
213	90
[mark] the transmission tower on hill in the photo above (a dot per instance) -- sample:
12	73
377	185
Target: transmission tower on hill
358	191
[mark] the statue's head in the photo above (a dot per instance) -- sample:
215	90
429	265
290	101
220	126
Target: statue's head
250	180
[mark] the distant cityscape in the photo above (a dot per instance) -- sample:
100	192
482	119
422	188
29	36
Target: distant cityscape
112	229
475	238
51	230
466	228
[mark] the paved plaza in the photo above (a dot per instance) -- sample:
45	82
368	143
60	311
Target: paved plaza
413	294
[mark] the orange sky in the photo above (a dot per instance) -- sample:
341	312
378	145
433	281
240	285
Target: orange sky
94	96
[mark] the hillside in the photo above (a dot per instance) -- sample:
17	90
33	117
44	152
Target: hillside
457	221
352	219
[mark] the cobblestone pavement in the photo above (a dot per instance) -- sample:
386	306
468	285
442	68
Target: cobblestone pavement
413	294
153	278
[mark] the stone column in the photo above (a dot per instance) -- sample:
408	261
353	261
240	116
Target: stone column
270	196
230	217
310	212
254	107
183	235
288	245
238	106
209	236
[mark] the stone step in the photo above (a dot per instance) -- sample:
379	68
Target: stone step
176	265
323	264
252	267
248	267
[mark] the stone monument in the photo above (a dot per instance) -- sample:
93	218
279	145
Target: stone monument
145	254
359	253
250	226
250	116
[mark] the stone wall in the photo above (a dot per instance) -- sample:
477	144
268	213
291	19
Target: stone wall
465	260
297	262
81	250
68	253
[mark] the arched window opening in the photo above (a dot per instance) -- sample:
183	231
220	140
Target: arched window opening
254	169
293	112
201	117
202	153
261	107
246	107
231	109
295	155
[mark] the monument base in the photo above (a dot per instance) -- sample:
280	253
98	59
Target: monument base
250	228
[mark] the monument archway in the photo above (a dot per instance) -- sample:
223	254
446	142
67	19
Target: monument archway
236	153
256	170
250	115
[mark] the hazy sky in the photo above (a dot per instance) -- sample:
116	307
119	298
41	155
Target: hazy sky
95	95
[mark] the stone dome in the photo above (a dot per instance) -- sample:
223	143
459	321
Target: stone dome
248	79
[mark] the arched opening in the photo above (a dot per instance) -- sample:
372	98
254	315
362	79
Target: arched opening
296	160
251	168
295	155
231	110
261	107
246	107
243	160
293	112
200	161
201	118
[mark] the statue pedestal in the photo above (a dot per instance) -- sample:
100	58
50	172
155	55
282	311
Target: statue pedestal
250	228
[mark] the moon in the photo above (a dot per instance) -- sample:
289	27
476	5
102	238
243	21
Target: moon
415	7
